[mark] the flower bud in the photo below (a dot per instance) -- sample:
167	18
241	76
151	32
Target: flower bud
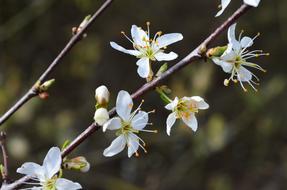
216	52
78	163
46	85
102	96
101	116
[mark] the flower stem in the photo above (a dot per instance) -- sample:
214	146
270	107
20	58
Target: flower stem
163	96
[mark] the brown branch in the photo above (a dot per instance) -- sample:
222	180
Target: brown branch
5	157
72	42
196	54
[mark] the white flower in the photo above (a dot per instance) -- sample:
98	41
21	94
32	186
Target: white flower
225	3
235	59
45	176
185	109
101	116
146	48
128	124
102	95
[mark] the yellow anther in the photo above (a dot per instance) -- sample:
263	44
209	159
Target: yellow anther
159	33
147	23
226	82
122	32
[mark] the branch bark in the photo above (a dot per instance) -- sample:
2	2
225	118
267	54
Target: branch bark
5	172
196	54
33	92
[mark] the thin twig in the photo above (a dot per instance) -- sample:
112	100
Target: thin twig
5	172
196	54
72	42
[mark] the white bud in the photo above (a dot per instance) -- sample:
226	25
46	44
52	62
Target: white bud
102	95
101	116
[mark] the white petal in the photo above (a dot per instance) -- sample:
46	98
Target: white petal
133	144
65	184
190	122
232	38
244	75
122	49
124	105
227	67
160	56
112	124
168	39
140	120
116	146
253	3
32	169
173	104
224	4
246	42
201	104
170	122
143	67
52	162
139	36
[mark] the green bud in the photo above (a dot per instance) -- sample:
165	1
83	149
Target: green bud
216	52
162	69
46	85
79	163
85	21
163	96
65	144
2	169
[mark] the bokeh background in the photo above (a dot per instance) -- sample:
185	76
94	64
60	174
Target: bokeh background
241	143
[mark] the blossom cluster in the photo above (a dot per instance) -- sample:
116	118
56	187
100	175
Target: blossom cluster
233	58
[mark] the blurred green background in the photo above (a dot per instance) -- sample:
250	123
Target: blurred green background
241	143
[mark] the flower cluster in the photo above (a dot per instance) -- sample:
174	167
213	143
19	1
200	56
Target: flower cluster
128	125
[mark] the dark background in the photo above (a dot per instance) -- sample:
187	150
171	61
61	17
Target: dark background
241	142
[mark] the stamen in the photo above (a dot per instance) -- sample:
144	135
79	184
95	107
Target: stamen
148	30
241	84
243	50
149	131
124	34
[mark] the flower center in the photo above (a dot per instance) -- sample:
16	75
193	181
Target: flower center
184	108
126	128
50	184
